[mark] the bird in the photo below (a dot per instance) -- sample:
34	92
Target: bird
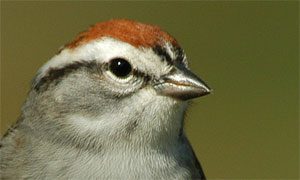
110	104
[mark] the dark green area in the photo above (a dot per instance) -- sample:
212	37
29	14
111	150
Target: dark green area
248	52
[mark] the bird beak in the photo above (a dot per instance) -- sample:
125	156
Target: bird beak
181	84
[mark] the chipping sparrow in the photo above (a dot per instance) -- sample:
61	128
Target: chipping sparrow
109	105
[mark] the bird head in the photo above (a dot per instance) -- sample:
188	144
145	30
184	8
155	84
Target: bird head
118	79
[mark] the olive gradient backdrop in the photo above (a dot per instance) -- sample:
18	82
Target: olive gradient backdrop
246	51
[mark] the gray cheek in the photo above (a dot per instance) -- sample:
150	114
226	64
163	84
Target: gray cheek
84	94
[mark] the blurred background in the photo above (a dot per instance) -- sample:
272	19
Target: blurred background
248	52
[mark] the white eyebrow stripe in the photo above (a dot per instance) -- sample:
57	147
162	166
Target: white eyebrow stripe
103	50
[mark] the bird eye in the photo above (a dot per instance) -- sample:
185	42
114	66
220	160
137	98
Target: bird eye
120	67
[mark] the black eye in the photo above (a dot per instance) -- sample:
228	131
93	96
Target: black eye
120	67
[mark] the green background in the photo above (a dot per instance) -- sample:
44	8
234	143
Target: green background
248	52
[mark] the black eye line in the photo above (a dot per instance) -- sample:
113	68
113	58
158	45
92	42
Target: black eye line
160	51
164	55
135	72
105	66
53	75
141	74
179	55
